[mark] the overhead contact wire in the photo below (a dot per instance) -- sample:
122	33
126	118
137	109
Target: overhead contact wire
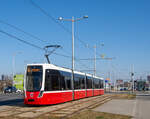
10	35
19	29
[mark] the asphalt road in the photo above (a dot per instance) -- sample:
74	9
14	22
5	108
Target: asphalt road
11	99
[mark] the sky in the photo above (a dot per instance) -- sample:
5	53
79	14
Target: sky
121	25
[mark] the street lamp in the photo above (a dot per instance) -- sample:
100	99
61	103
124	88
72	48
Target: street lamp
72	20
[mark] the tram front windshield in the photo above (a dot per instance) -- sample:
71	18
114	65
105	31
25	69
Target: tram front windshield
34	78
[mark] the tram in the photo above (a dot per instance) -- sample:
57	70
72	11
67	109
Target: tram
46	84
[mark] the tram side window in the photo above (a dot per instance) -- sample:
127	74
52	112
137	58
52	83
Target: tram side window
93	82
68	83
96	83
62	83
55	82
101	84
82	82
52	82
89	82
66	80
48	85
76	82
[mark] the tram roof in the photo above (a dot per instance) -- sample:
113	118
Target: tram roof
52	66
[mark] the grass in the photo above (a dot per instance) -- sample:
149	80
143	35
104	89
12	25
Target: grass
89	114
124	96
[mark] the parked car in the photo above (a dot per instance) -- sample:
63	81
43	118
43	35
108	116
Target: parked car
10	89
18	91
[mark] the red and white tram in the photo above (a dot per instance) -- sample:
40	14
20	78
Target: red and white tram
46	84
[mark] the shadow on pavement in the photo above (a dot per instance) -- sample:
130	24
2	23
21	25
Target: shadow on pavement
12	102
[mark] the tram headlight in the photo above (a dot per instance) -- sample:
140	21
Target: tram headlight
40	94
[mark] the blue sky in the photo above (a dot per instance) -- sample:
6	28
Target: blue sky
122	25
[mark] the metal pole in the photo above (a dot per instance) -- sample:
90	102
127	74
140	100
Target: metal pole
95	60
13	64
132	76
132	82
110	76
72	78
72	20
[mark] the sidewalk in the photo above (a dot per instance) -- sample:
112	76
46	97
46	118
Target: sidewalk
118	106
138	108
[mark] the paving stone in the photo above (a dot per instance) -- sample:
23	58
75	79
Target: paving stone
8	113
25	109
4	108
30	114
46	109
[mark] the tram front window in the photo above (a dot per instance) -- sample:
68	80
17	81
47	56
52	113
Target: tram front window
34	78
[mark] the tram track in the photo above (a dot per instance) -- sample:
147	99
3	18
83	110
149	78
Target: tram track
80	106
59	110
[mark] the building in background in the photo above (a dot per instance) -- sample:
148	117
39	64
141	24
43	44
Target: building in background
148	78
119	84
6	80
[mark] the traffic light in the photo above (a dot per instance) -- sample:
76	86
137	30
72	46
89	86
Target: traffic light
132	74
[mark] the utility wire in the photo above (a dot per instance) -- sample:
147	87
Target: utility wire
62	55
19	29
35	37
61	25
23	41
33	45
77	60
82	64
50	16
29	34
98	58
54	20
